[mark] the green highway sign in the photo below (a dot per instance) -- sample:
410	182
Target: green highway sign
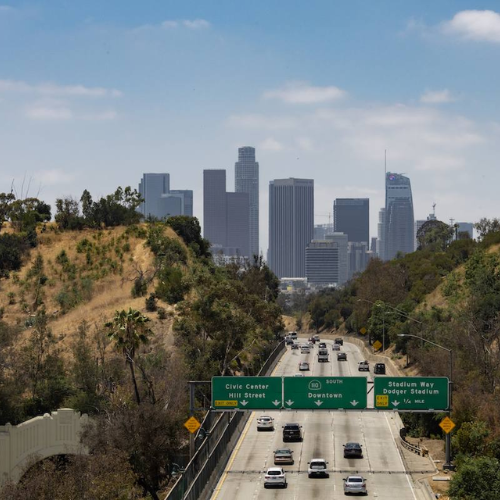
324	393
411	393
247	393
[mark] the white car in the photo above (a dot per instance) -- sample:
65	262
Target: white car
355	484
305	349
336	347
317	468
265	423
275	476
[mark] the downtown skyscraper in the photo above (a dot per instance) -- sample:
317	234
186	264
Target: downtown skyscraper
351	216
398	219
246	180
291	225
226	216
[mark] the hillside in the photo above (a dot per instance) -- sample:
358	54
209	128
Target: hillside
88	275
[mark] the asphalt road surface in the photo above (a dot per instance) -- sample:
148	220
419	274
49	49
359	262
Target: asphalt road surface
325	432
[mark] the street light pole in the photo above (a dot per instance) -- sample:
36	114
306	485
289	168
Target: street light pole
448	464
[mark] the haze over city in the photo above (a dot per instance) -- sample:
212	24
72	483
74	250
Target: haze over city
92	95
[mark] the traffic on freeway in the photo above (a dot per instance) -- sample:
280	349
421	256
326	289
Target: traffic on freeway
320	468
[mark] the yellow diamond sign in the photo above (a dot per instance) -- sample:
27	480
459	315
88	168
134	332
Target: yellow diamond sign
192	425
377	345
447	425
363	331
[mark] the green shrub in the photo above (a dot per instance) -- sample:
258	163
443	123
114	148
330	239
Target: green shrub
171	287
162	313
151	303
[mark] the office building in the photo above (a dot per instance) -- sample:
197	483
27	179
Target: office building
291	225
226	216
159	201
465	227
358	256
322	263
246	180
351	216
398	218
341	241
321	230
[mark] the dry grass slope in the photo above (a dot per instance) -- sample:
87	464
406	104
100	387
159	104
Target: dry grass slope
112	283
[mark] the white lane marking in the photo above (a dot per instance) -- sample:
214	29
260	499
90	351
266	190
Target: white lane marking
399	455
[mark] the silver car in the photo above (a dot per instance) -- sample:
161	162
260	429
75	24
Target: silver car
355	484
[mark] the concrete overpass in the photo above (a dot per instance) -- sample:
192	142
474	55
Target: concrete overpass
39	438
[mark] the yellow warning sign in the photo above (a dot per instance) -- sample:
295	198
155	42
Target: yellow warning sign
447	424
363	331
225	403
382	400
192	425
377	345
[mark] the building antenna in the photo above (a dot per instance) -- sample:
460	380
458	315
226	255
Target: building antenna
434	209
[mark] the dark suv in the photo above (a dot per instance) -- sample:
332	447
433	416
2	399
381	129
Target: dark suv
353	450
292	432
379	369
339	341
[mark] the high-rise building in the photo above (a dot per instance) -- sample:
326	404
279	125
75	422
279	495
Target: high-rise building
381	234
321	230
322	263
159	201
340	239
226	215
399	221
214	206
351	216
465	227
291	225
358	256
187	195
246	180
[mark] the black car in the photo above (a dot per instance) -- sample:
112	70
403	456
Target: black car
353	450
292	432
322	345
339	340
379	369
341	356
295	346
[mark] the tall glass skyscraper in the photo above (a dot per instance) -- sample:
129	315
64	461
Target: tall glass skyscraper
351	216
291	225
398	218
247	181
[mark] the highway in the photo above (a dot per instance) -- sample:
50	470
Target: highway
325	432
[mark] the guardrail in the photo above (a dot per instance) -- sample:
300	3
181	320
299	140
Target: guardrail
203	471
415	448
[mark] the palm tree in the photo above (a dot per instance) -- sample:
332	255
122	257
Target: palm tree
129	330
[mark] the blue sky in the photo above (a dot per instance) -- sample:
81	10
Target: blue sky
93	94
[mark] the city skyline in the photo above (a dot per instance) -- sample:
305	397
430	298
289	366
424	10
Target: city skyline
208	79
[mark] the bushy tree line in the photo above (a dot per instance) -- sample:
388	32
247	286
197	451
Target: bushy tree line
116	209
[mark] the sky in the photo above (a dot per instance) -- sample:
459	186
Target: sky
93	94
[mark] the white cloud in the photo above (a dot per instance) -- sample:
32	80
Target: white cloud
169	24
302	93
478	25
196	24
53	177
305	143
51	89
271	144
437	97
49	113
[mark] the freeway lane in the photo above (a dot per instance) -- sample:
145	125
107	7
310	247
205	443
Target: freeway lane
324	435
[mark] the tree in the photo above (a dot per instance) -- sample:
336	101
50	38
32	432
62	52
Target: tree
68	214
476	479
129	331
188	228
486	226
434	235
